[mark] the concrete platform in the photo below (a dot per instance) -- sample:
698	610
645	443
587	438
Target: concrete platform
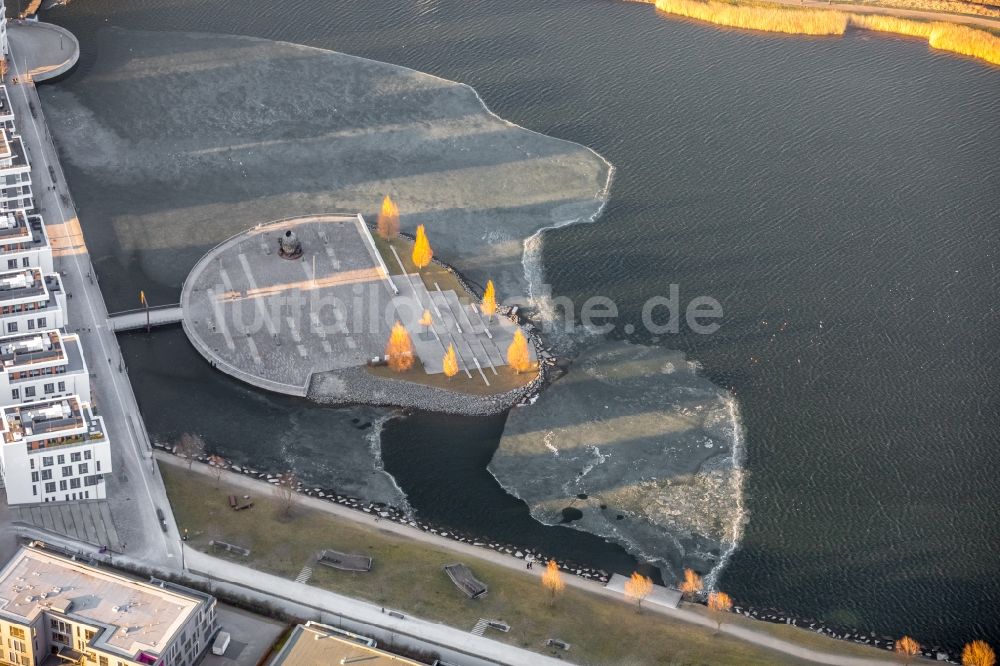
45	50
273	322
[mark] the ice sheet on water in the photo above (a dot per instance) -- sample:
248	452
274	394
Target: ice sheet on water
660	449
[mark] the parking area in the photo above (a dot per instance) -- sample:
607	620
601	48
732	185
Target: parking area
252	637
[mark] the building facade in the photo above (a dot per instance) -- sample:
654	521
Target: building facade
57	611
31	300
24	242
53	450
42	365
15	173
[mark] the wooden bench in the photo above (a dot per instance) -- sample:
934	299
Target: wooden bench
232	502
344	561
462	577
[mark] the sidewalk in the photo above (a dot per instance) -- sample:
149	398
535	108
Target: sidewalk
134	488
254	486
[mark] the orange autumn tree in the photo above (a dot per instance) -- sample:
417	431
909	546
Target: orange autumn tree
906	647
388	219
692	584
552	580
637	588
978	653
399	350
489	304
450	362
422	252
719	603
426	320
517	353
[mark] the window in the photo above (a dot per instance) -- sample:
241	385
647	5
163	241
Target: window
62	386
61	458
46	474
41	322
15	394
24	262
29	391
49	388
98	465
84	468
62	486
74	483
17	632
60	638
32	461
12	327
75	457
102	661
87	454
34	477
50	487
31	324
47	461
91	480
34	490
67	470
12	263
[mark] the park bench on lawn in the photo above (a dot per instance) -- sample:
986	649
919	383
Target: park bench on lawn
462	577
345	561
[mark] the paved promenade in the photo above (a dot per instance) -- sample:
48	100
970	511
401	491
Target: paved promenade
135	490
44	50
259	487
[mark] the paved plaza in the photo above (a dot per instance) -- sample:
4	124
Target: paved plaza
274	321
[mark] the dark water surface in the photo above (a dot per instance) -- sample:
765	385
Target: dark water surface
838	196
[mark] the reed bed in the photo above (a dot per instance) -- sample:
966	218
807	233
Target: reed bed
897	26
966	41
943	36
769	19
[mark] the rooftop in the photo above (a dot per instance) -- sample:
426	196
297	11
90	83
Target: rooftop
27	283
313	643
58	417
27	349
6	112
130	616
14	227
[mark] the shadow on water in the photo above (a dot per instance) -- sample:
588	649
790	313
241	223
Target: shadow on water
446	477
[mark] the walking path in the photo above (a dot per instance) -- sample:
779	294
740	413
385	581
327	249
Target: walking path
750	635
134	488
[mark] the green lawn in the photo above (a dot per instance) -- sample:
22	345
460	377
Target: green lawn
407	575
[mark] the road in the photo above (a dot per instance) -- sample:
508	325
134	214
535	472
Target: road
134	487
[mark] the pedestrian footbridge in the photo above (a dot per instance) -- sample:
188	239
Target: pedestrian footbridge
133	320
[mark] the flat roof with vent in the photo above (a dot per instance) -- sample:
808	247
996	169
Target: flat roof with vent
314	643
129	616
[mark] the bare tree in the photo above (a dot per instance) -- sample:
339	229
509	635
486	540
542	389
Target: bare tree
190	446
218	464
287	492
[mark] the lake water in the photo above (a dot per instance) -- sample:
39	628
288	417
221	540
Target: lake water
839	197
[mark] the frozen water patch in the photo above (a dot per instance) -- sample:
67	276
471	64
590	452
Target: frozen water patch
656	457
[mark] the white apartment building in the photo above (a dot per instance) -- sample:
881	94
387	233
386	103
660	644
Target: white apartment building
6	112
53	450
3	29
60	612
24	242
15	173
31	300
41	365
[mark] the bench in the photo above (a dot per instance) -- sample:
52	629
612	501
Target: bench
462	577
232	502
245	505
345	561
